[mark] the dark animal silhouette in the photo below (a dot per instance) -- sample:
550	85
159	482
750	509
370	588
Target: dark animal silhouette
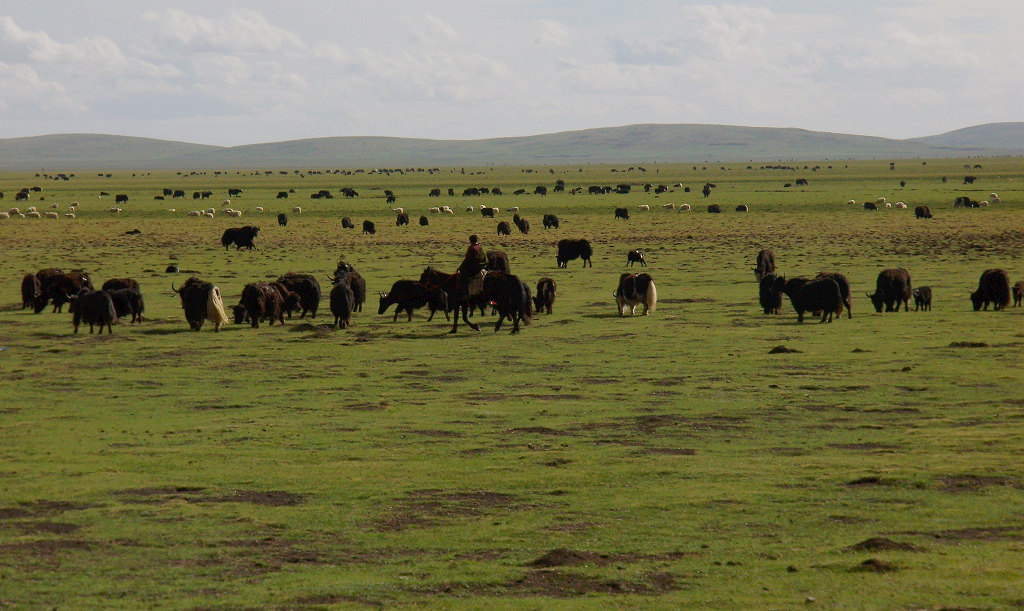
892	287
923	298
994	288
569	250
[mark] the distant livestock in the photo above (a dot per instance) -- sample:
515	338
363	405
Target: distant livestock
714	209
922	298
282	219
635	256
409	295
569	250
764	263
769	296
241	237
844	289
743	208
201	301
892	287
634	290
922	212
622	213
550	221
346	223
994	288
424	221
94	308
817	295
308	290
504	228
402	219
369	228
545	297
1018	293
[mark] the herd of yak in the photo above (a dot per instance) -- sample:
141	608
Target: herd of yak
828	293
825	295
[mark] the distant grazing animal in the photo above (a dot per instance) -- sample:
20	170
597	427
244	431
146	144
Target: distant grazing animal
486	212
121	198
852	202
348	274
241	237
922	212
923	298
669	206
58	287
540	190
127	297
870	206
30	289
391	199
201	301
635	256
684	207
622	213
900	205
497	261
644	207
233	192
434	210
844	288
993	287
769	297
545	297
262	301
402	219
964	202
523	225
342	304
282	219
818	295
282	195
569	250
369	228
308	290
714	209
764	264
297	210
892	287
743	208
504	228
424	221
1018	293
94	308
435	192
409	295
550	221
634	290
346	223
707	190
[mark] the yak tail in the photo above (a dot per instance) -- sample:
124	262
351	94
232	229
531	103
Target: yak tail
526	307
215	307
651	297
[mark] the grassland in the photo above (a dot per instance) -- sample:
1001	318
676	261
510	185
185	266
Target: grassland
667	461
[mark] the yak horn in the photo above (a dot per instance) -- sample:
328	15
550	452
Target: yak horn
174	289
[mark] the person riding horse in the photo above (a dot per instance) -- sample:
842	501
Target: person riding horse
473	264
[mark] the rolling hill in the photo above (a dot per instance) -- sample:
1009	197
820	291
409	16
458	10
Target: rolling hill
648	143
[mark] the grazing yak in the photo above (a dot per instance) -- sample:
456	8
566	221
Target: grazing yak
818	295
844	288
348	274
402	219
127	297
922	212
346	223
715	209
1018	293
262	301
342	304
369	228
94	308
569	250
497	261
923	298
994	287
892	287
545	297
58	287
635	256
769	297
410	295
522	224
240	237
201	301
622	213
633	290
764	264
870	206
743	208
550	221
282	219
424	221
486	212
30	289
306	288
504	228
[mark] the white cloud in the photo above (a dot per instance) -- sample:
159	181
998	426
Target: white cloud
551	33
242	30
441	28
25	93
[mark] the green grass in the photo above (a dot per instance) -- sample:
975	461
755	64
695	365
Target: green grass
678	462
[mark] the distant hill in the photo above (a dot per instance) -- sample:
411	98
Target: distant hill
650	143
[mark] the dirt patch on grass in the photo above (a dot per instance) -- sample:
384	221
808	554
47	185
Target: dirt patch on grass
46	547
189	494
318	600
209	406
554	583
672	451
571	557
50	528
783	350
270	498
40	509
599	380
538	430
867	480
421	508
986	533
882	544
868	447
968	345
973	483
436	433
873	565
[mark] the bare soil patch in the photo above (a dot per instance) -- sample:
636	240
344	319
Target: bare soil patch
873	565
421	508
882	544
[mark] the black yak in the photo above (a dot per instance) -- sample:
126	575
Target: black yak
892	287
240	237
569	250
994	287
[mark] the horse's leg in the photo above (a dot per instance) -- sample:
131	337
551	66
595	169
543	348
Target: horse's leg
465	317
455	324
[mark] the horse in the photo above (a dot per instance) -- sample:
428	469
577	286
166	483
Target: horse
636	289
508	294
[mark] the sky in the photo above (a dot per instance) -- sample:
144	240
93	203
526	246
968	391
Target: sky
229	73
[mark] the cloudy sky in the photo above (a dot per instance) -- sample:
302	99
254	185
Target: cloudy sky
227	73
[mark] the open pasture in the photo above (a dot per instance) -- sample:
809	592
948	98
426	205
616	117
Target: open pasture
667	461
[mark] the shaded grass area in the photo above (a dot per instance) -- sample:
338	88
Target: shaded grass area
669	460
